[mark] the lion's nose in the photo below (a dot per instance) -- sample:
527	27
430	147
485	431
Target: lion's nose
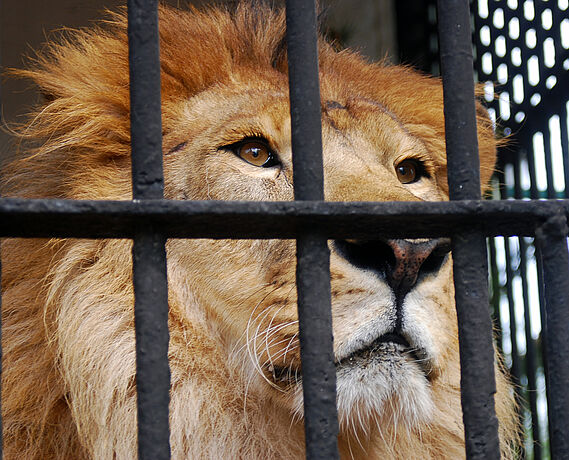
400	261
411	258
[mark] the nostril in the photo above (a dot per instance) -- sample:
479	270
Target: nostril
400	262
438	255
414	258
369	255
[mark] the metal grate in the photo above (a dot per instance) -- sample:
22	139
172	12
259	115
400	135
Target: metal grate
522	52
149	220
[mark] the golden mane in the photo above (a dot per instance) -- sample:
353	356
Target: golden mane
68	386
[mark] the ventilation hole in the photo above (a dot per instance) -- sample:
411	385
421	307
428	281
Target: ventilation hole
525	180
566	64
489	91
549	52
519	117
502	73
564	29
516	56
535	99
563	4
518	89
551	81
483	8
539	161
556	154
514	28
512	4
529	10
504	103
487	63
485	35
498	18
533	71
433	43
492	115
547	19
531	38
500	46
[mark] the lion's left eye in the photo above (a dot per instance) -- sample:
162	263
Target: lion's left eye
409	171
256	153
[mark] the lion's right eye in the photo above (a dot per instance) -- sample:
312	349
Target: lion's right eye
256	152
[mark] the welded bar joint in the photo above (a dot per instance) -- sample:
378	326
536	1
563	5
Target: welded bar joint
148	253
552	240
313	256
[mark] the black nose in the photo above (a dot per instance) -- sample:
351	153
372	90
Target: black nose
400	262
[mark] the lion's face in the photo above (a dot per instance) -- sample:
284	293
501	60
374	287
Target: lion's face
390	340
234	351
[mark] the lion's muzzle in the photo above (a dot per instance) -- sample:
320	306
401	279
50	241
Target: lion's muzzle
400	262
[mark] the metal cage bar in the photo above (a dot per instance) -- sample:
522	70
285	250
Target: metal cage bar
478	384
313	255
148	251
30	218
552	241
149	220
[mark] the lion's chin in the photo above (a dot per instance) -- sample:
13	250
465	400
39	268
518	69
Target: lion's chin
386	383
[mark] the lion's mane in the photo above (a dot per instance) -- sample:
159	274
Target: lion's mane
68	388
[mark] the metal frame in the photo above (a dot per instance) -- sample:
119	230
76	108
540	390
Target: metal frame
149	220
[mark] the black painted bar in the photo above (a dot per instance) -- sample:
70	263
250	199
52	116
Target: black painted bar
149	255
552	241
253	219
478	384
313	256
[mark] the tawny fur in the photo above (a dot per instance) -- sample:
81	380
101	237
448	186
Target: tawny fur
68	386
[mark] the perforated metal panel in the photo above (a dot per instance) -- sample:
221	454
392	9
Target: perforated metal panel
522	58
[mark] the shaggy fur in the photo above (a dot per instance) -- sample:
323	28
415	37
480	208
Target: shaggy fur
68	387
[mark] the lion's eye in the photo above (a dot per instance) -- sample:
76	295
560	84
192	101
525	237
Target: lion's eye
257	153
409	171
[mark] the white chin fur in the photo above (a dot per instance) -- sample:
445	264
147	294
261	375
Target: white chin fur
390	389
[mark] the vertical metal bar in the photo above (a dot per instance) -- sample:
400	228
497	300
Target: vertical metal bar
552	241
469	249
149	255
313	256
563	115
531	358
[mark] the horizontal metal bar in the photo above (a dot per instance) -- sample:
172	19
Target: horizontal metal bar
248	219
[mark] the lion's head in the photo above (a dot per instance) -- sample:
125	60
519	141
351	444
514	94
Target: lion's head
234	352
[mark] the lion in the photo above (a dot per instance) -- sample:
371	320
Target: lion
68	387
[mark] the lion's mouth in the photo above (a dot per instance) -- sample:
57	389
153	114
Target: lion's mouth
388	345
391	345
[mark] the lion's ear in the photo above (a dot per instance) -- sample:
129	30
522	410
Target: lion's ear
279	58
47	97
